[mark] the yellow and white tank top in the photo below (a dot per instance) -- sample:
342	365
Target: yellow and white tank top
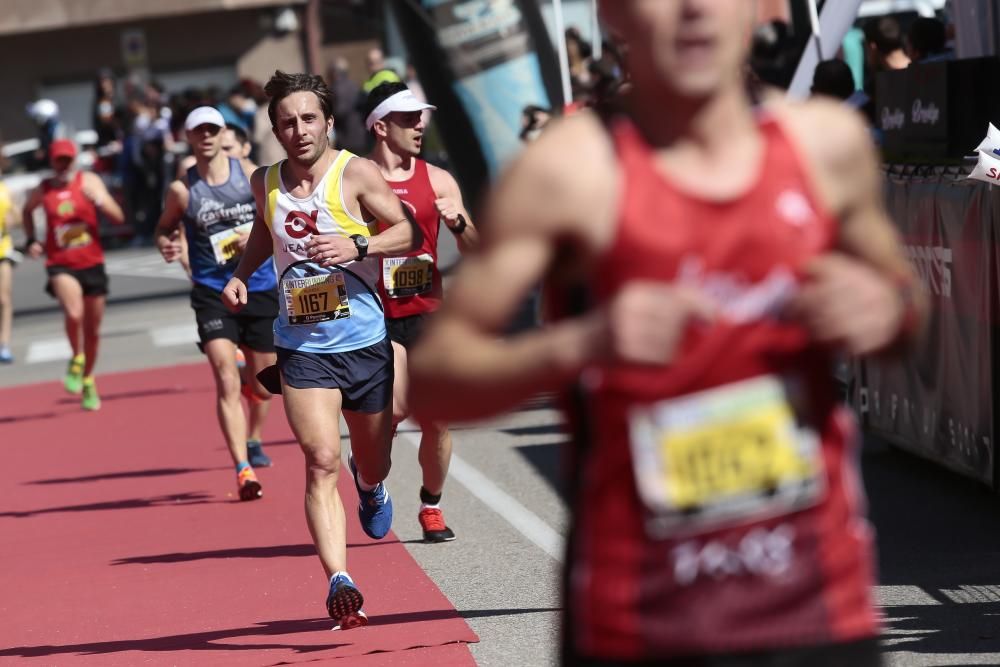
322	310
6	242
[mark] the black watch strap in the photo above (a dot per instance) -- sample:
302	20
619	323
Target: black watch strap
460	227
362	247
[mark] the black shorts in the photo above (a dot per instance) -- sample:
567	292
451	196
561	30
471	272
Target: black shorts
406	330
93	279
863	653
363	376
253	326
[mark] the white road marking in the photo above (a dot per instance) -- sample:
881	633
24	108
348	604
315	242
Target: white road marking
517	515
54	349
178	334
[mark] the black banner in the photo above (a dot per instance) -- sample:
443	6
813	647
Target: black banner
938	402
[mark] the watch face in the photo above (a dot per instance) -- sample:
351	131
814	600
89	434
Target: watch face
362	241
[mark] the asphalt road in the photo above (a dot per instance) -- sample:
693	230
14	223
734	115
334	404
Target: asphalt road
940	587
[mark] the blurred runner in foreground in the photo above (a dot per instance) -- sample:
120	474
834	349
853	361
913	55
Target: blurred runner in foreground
707	262
9	258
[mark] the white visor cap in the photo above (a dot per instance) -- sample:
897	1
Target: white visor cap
404	101
203	116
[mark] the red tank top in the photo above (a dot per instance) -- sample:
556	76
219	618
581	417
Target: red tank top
718	504
72	236
410	284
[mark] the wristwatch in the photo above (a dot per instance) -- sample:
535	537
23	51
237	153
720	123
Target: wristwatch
361	243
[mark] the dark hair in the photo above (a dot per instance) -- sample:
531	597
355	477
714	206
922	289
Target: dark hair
833	78
927	36
381	93
281	85
885	34
240	132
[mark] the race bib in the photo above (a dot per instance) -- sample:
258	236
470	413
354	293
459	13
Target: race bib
313	299
407	276
224	243
725	455
73	235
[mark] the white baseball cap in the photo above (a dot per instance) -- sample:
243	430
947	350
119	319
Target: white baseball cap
203	115
404	101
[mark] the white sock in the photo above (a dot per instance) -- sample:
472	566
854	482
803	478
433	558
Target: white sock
341	574
424	506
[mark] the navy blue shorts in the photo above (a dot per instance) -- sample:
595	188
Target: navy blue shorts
363	376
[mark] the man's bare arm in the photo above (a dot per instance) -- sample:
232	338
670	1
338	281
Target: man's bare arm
260	245
865	295
462	368
375	195
452	209
98	193
32	202
167	234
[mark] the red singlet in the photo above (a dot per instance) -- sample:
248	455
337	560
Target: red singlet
718	503
410	284
72	237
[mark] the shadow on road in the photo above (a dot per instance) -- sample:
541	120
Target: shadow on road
140	393
14	419
213	640
276	551
939	543
128	474
174	500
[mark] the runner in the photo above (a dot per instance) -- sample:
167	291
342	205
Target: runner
410	285
9	257
75	260
233	142
215	204
315	212
709	261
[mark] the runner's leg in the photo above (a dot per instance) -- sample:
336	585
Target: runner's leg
221	354
93	315
434	456
260	405
400	409
371	443
314	417
69	293
6	302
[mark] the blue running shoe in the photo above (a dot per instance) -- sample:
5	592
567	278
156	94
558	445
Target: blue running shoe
256	455
375	508
5	356
344	603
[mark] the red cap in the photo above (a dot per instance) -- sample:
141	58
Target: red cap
62	148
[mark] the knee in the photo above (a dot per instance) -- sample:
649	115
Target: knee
74	317
322	462
227	383
399	411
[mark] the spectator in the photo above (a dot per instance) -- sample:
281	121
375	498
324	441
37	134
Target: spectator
106	114
773	58
884	45
926	41
45	113
378	74
834	79
578	54
347	120
239	109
